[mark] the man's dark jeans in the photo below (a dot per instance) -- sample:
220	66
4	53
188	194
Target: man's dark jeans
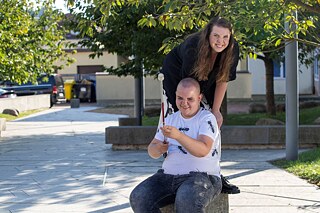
190	193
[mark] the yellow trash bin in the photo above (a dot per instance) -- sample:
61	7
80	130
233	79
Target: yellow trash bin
68	84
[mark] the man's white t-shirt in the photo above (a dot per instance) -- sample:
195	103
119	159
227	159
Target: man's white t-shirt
179	161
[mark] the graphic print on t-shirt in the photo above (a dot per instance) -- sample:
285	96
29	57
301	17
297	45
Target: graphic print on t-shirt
211	126
183	129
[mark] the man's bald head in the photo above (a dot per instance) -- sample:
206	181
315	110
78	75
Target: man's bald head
188	97
189	82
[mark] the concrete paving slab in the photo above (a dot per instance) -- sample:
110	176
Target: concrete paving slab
54	161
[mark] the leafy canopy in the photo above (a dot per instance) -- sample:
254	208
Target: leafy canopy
113	27
30	41
258	24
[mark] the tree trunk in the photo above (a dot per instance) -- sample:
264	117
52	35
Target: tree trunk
139	93
271	107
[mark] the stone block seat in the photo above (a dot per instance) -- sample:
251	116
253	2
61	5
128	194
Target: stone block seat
219	205
129	137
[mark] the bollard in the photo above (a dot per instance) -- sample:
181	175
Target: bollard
75	102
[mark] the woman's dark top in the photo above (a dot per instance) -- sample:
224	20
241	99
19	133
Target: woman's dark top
179	63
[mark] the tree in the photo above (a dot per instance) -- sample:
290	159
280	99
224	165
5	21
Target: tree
119	33
258	25
31	40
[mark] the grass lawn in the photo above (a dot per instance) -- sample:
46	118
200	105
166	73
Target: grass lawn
306	117
22	114
150	121
307	166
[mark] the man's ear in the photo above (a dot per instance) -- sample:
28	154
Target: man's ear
200	96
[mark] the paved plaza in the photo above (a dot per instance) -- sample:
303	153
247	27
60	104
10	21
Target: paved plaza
54	161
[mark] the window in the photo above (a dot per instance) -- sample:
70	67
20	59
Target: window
279	70
90	69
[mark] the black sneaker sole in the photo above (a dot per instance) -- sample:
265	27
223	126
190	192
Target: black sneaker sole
231	191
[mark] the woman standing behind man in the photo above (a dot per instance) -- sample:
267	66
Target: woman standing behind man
211	57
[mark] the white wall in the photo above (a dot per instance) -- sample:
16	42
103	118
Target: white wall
25	103
111	88
257	68
82	59
241	87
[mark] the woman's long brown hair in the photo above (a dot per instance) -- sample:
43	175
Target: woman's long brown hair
204	63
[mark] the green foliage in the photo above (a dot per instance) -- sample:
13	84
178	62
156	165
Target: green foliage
307	166
113	26
30	41
258	25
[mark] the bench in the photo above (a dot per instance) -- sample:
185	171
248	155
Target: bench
129	137
219	205
135	137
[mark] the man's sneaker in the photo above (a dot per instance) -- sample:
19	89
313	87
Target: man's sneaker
228	188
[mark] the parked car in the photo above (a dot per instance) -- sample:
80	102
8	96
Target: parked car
46	84
56	81
7	93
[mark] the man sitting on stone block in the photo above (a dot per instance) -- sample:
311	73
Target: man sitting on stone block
190	174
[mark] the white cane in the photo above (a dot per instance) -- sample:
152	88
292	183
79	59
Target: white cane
161	78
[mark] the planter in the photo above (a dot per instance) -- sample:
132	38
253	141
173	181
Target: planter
234	137
128	121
